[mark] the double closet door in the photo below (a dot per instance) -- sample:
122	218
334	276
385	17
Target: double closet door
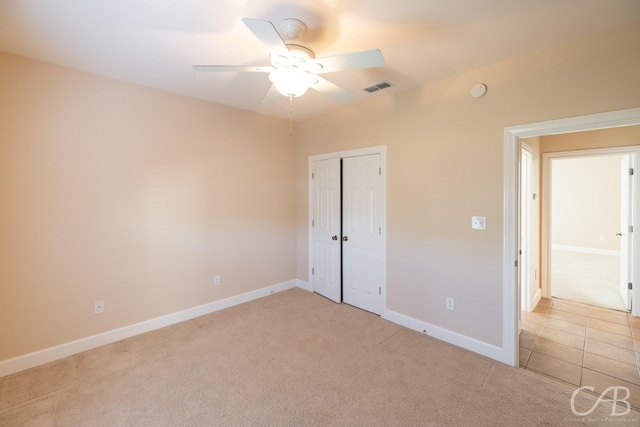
347	261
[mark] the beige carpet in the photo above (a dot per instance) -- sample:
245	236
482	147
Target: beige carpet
290	359
592	279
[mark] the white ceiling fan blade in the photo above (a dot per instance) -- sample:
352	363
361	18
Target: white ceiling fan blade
349	61
271	97
332	90
267	34
249	68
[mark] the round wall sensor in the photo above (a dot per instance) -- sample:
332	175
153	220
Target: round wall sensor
479	90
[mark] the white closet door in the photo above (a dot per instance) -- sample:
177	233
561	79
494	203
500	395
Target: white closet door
362	232
326	229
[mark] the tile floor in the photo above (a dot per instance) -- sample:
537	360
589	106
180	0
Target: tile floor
582	345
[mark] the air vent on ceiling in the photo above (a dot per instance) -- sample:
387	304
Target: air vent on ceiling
377	87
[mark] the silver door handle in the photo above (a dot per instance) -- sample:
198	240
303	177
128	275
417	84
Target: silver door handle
619	234
334	237
345	238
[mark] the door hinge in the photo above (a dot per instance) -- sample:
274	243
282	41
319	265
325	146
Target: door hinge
516	263
380	290
630	286
313	175
380	231
313	222
631	229
380	171
313	271
630	171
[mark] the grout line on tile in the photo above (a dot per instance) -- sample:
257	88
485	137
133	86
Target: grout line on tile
584	340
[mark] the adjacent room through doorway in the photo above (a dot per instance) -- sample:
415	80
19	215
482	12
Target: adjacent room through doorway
576	211
585	235
579	199
619	129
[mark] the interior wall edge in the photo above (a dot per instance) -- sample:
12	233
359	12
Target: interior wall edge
303	284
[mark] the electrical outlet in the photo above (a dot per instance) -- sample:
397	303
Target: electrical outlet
478	222
98	307
216	280
450	304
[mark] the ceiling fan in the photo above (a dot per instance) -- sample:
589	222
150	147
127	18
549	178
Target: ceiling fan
294	68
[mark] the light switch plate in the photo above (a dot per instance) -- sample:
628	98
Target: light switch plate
98	307
478	222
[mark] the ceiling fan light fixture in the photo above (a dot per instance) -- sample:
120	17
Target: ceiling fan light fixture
294	66
292	82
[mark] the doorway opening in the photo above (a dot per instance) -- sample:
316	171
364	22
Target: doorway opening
511	242
588	207
580	331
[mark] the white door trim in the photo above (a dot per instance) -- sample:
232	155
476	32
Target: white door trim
511	150
382	150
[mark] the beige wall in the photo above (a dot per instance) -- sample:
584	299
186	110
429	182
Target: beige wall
134	196
138	197
445	165
585	201
576	141
601	138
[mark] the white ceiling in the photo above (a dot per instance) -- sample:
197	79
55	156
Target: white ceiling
155	42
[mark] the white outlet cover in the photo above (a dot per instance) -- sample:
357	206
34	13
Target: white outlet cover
478	222
98	307
450	304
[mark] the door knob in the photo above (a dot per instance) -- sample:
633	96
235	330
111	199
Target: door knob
345	238
334	237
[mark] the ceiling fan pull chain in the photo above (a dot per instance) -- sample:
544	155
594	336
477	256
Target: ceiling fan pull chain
290	114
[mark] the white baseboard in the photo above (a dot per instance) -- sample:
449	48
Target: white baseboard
446	335
536	298
304	285
47	355
585	250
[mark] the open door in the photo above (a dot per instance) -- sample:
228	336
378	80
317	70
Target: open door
525	229
626	229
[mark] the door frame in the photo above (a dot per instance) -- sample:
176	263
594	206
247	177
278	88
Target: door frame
382	151
511	152
547	180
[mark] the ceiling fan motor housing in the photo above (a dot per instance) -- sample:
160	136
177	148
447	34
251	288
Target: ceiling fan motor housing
298	57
